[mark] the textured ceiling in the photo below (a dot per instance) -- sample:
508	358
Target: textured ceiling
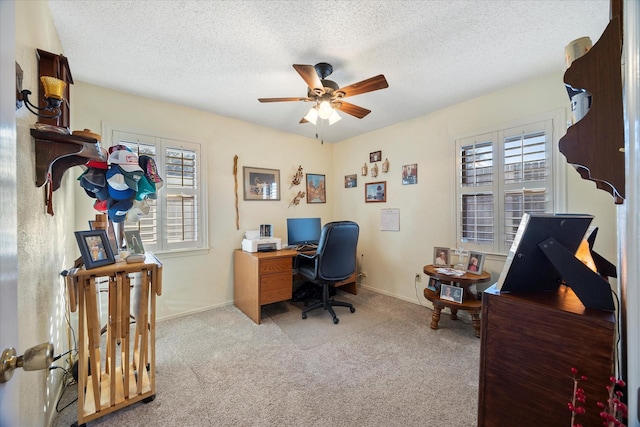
221	56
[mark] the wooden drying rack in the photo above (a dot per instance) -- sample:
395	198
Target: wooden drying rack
121	370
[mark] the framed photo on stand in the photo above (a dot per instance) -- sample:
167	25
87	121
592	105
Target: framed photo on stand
451	293
94	248
134	242
476	262
441	257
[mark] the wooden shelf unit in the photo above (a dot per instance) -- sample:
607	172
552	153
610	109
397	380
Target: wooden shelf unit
595	144
528	346
120	370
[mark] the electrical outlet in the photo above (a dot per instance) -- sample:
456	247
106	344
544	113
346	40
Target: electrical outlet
418	277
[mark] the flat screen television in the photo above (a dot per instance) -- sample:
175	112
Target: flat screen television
303	231
527	268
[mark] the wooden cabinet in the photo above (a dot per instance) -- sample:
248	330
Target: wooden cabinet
529	344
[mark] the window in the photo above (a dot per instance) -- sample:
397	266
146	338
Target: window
176	219
501	175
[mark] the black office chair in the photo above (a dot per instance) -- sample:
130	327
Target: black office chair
333	262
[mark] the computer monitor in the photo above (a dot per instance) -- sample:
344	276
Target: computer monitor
527	268
303	231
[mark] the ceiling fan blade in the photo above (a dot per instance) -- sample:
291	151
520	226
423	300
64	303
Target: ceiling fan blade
374	83
309	75
354	110
283	99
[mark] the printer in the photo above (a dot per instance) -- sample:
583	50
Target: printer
261	241
261	245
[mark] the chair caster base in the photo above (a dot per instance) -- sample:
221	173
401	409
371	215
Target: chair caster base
352	309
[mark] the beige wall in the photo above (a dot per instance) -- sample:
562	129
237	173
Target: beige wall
192	283
46	244
427	215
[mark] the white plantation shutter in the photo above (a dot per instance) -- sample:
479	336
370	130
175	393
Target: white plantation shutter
175	220
502	175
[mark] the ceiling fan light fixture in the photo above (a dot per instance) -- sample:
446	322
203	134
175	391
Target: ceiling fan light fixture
312	116
334	118
325	110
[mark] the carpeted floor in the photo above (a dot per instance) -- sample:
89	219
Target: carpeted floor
380	366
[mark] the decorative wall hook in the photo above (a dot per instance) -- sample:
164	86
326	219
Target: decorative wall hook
374	170
385	166
297	177
364	170
297	198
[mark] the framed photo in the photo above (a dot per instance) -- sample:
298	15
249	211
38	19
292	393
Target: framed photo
316	190
134	242
451	293
375	192
94	248
98	225
410	174
476	262
261	184
434	284
350	181
441	257
376	156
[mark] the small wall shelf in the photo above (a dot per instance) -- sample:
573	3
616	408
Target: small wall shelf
595	144
57	152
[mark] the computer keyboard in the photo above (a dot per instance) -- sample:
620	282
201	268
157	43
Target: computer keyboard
307	247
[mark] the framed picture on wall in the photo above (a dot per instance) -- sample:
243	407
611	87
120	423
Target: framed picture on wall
350	181
410	174
376	156
261	184
375	192
316	190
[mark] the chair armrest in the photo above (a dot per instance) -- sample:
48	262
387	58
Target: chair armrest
303	258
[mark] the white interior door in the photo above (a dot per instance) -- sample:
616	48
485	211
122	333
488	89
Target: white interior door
9	392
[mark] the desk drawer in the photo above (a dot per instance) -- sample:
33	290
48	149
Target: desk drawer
275	265
275	287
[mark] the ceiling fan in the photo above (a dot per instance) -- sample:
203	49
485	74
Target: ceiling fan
328	96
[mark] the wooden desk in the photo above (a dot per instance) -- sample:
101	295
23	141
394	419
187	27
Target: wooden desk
261	278
469	303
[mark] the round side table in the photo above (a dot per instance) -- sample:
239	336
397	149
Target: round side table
469	302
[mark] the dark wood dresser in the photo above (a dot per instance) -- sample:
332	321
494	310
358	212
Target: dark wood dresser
529	344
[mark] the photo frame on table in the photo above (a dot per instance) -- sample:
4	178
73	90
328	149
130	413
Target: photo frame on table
441	257
350	181
451	293
134	242
94	248
316	188
410	174
433	285
98	225
476	262
261	183
375	192
376	156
